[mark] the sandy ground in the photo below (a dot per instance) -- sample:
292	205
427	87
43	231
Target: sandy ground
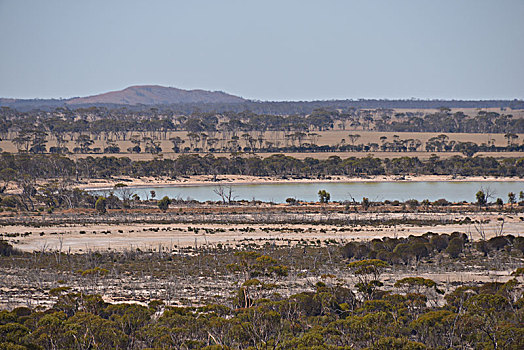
246	179
78	238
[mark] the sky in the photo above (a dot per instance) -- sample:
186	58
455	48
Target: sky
265	50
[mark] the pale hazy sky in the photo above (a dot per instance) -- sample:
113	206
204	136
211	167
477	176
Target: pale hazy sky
267	50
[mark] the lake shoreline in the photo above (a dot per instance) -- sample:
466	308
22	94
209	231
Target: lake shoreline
206	180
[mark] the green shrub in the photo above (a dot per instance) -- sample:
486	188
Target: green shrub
455	247
163	204
100	205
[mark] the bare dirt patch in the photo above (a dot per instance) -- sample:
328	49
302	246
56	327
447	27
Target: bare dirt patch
77	238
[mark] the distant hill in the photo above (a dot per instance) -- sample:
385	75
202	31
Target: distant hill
131	96
156	95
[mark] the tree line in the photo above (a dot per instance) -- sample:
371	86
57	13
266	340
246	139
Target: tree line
271	107
35	142
17	167
118	123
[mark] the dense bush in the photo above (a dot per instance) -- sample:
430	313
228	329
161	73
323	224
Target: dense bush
55	166
414	248
6	249
328	317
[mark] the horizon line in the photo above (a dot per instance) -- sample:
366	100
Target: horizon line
257	100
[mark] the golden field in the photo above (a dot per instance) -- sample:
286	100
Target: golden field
330	138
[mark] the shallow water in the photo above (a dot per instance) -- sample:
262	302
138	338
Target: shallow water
375	191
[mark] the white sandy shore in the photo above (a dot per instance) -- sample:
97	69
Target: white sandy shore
199	180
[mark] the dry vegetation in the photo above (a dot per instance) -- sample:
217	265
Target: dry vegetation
263	284
184	227
120	272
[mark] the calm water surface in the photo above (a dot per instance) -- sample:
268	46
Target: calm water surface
375	191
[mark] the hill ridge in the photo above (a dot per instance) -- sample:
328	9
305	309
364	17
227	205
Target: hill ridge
156	95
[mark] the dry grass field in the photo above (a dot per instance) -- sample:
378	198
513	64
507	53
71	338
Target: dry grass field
329	138
334	137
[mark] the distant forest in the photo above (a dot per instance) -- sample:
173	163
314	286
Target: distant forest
118	122
26	168
275	108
